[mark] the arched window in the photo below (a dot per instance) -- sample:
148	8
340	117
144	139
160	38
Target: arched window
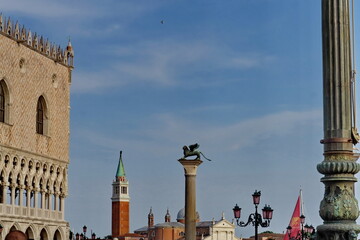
2	104
41	116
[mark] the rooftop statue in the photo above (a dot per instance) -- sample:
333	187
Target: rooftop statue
191	151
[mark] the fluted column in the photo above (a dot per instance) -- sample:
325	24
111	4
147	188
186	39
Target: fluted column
339	207
190	168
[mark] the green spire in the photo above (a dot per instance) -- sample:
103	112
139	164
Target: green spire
120	169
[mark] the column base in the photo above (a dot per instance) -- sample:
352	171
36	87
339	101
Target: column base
337	231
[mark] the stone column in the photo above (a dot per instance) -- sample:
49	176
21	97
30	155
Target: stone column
28	195
62	205
4	193
12	194
21	195
339	207
190	168
43	203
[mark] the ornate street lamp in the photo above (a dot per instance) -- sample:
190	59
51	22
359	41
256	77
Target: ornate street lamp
304	233
255	218
84	231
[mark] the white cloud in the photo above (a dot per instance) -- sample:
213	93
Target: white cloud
45	9
170	130
167	63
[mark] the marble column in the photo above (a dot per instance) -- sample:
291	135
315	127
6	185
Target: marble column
21	195
339	207
12	194
190	168
4	193
28	195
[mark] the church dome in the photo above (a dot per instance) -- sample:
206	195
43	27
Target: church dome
181	215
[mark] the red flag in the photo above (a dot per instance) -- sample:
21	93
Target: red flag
295	220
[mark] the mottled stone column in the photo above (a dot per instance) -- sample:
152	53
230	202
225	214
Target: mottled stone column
339	207
190	167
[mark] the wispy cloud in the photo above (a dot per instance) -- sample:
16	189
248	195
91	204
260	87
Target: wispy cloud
161	131
46	9
169	63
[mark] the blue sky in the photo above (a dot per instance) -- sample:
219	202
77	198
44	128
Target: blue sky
242	78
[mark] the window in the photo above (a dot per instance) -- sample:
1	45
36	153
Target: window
41	116
4	102
124	190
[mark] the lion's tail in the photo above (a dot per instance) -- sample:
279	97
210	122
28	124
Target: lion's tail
205	157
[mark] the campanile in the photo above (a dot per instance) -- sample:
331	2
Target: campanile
120	202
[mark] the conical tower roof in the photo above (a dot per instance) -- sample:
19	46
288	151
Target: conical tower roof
120	172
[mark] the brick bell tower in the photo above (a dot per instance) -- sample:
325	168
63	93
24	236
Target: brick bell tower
120	202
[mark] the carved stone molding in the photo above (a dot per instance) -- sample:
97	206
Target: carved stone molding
338	167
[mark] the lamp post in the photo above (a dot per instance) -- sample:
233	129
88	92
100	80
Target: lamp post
304	233
82	236
84	231
255	218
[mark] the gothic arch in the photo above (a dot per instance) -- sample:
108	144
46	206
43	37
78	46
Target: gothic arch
23	163
58	235
15	226
44	234
42	116
30	233
15	162
4	102
10	178
7	160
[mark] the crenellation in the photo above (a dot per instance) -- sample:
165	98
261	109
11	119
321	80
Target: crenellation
37	43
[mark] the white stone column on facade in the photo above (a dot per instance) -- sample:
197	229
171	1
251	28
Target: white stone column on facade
43	199
36	198
62	202
28	195
21	195
12	194
50	200
56	202
4	187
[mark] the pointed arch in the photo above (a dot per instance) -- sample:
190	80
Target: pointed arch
4	102
44	234
41	116
30	233
57	235
15	227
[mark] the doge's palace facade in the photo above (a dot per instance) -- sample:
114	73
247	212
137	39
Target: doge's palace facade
35	78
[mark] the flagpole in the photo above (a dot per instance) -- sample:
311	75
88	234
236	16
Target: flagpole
301	203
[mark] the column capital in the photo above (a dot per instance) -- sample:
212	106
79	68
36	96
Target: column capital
190	166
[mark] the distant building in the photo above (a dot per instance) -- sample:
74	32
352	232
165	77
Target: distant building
206	230
120	202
